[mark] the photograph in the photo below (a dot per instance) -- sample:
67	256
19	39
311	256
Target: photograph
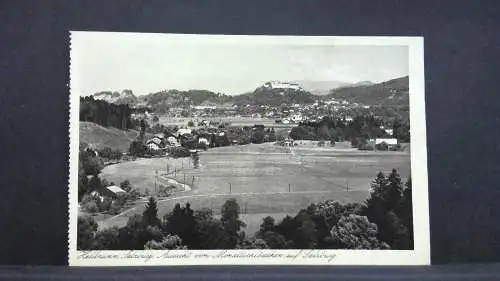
192	149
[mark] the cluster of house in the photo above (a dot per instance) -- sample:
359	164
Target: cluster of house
163	141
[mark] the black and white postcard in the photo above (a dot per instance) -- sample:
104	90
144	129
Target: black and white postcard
247	150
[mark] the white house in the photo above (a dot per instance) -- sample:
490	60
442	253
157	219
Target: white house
391	141
181	132
390	132
153	146
204	141
173	141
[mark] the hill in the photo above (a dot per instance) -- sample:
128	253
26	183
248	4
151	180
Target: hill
392	92
274	97
125	97
100	137
321	88
161	101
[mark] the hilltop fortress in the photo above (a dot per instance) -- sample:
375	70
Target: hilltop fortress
282	85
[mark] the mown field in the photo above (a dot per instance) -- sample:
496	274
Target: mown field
101	137
264	178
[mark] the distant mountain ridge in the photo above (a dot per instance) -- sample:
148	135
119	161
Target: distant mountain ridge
394	91
391	92
321	88
125	97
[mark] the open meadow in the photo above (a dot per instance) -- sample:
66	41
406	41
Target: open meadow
264	178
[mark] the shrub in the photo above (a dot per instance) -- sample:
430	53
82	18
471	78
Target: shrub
382	146
91	207
365	147
115	208
321	143
125	185
356	232
104	205
170	242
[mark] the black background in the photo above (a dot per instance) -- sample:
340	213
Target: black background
462	72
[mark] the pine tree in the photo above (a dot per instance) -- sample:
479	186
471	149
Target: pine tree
394	193
150	215
230	214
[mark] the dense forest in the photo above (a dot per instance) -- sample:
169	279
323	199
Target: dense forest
104	113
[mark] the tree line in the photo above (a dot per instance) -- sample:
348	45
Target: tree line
384	221
338	129
105	114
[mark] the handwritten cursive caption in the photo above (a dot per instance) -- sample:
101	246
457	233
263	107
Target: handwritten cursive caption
149	256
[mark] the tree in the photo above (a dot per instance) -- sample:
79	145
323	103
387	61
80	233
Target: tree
274	240
356	232
252	244
156	119
382	207
182	222
104	205
136	233
83	183
211	232
190	123
91	164
230	213
405	212
394	190
150	215
85	233
91	206
267	225
169	242
383	146
306	236
137	148
107	239
125	185
331	211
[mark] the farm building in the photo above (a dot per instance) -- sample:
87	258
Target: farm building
391	143
204	141
112	191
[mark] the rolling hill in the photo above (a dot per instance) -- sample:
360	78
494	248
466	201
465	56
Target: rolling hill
99	137
392	92
274	97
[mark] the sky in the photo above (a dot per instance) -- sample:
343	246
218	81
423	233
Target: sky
147	63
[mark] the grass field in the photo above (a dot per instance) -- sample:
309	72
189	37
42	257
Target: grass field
264	178
101	137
